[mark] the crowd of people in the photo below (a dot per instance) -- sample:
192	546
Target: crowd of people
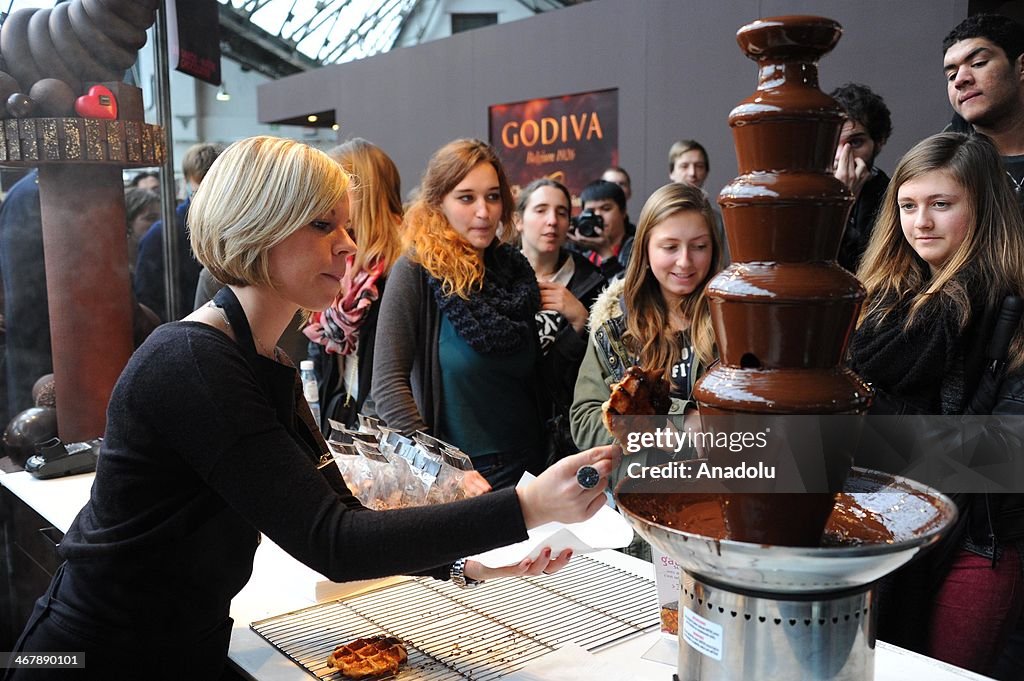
485	320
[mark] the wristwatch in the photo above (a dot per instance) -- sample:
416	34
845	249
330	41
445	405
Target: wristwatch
459	578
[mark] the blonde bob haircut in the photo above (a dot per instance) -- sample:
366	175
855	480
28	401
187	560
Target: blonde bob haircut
255	195
990	260
647	316
429	237
376	194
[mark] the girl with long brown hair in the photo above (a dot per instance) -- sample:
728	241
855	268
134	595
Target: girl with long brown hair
657	316
947	248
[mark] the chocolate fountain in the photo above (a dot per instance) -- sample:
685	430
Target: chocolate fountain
764	593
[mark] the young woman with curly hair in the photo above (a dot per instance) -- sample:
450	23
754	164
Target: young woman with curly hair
462	355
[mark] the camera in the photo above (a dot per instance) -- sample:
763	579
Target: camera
588	224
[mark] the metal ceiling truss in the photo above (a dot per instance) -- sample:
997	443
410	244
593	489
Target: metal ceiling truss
375	27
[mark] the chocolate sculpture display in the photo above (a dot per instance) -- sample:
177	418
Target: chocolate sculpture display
57	63
75	42
761	596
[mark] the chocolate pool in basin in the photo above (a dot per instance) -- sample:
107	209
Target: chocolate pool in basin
780	585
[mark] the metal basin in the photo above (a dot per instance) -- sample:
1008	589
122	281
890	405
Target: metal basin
910	515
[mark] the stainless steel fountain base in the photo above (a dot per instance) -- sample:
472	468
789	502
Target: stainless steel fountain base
751	611
729	636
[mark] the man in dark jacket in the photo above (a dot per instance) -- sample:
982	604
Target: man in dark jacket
149	267
26	314
610	250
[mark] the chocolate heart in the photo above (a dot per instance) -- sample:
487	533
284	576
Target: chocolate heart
98	103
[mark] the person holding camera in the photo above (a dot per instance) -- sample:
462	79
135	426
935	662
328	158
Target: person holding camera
599	232
569	285
619	176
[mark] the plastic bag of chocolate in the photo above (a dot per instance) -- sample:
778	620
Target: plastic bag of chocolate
345	436
449	454
413	491
398	448
385	491
354	470
450	483
369	424
425	467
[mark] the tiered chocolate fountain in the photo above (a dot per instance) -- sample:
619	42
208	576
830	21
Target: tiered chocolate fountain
760	596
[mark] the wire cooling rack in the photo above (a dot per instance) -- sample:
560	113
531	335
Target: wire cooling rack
483	633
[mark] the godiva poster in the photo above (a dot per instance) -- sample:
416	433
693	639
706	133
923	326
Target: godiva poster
571	138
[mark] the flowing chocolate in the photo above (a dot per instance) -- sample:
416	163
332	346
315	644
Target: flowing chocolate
783	311
848	522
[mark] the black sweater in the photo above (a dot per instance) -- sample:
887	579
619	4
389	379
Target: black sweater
204	450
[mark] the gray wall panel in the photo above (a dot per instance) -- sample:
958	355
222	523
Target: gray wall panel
675	62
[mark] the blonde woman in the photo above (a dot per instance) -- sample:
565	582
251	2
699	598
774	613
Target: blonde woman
463	356
343	334
657	316
209	444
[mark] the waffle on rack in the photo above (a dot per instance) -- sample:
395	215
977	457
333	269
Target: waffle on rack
367	657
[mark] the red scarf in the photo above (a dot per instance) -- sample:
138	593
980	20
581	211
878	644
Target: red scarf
337	327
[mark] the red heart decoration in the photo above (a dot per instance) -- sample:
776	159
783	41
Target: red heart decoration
99	103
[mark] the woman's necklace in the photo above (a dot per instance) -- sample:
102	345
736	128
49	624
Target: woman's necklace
260	347
1018	185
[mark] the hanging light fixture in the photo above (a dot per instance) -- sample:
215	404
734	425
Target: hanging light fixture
222	93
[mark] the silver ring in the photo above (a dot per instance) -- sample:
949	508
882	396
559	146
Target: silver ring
587	477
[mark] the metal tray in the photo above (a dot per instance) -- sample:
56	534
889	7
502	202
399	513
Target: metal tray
482	633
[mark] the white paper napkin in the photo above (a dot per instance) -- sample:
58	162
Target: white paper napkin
605	530
571	663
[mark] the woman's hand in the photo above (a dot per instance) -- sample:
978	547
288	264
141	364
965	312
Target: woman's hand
556	496
558	298
545	563
475	484
850	170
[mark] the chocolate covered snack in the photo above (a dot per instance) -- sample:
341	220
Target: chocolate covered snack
639	393
368	657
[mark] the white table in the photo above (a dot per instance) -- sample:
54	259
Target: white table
281	584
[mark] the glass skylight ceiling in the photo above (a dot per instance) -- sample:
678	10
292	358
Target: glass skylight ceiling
330	31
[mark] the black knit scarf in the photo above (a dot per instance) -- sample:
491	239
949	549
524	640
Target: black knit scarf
932	365
498	318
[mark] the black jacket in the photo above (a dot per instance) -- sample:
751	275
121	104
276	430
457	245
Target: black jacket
995	519
563	360
862	221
